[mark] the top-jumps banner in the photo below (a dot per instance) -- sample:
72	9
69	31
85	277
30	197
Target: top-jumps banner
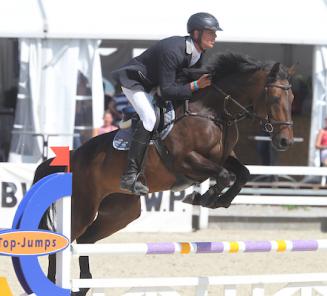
161	212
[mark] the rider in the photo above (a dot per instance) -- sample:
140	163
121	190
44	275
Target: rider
159	66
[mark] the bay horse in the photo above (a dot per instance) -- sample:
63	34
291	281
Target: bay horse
201	146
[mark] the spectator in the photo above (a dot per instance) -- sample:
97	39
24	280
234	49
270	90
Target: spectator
121	101
107	126
116	115
321	144
107	100
116	106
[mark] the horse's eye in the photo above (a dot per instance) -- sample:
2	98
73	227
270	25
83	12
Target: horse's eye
273	99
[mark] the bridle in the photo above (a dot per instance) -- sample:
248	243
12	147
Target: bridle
271	122
267	123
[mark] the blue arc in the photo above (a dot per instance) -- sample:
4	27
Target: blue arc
28	216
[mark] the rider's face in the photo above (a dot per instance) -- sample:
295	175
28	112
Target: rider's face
208	39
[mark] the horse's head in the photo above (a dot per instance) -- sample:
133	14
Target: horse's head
240	80
278	100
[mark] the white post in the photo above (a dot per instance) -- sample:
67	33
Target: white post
258	290
230	290
63	218
307	291
202	288
204	212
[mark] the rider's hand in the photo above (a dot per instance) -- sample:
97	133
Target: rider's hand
204	81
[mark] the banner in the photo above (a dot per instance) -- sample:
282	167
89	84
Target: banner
161	212
15	180
164	212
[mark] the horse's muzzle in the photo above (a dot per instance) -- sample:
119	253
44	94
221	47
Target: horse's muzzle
282	143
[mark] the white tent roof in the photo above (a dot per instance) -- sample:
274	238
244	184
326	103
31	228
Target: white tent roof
278	21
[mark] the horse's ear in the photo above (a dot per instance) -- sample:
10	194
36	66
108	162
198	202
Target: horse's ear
291	70
274	70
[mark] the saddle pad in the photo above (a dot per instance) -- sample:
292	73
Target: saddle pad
123	136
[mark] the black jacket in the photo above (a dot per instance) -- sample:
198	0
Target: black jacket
160	65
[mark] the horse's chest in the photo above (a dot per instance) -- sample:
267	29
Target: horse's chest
231	135
227	141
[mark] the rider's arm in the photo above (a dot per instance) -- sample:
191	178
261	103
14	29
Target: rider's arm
202	82
168	65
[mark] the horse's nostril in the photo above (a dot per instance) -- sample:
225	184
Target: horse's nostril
283	142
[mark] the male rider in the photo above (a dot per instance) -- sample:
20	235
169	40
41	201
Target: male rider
159	66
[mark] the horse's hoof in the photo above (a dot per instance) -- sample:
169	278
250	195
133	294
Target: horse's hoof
219	204
208	202
81	292
194	199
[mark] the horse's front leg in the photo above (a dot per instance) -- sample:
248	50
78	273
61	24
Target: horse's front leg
242	175
198	167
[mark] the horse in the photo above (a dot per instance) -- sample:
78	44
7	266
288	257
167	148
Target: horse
200	146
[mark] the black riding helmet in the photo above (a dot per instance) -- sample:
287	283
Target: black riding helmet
201	21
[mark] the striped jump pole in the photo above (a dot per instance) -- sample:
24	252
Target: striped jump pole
161	248
293	283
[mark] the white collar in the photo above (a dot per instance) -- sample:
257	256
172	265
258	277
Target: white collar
194	49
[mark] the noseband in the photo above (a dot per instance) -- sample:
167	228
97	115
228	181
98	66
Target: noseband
267	123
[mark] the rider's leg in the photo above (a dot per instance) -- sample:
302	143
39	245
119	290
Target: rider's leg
141	102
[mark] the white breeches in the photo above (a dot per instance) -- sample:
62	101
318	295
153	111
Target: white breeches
142	103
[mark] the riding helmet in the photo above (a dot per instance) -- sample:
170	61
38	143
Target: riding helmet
202	21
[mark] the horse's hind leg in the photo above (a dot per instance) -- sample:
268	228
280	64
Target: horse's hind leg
52	268
52	257
115	212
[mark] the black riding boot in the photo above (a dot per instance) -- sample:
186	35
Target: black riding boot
130	179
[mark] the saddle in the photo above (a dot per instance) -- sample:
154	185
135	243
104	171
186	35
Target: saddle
165	115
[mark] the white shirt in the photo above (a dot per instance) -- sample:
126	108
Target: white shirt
195	54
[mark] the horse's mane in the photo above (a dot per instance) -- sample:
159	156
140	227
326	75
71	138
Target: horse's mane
222	65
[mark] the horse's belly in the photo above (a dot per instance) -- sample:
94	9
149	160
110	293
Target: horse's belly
157	175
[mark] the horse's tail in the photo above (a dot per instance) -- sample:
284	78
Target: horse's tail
43	170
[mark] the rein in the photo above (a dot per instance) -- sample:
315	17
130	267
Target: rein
266	123
217	120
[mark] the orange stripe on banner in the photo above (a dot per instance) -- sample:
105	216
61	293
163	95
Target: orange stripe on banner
4	287
234	247
185	248
281	246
